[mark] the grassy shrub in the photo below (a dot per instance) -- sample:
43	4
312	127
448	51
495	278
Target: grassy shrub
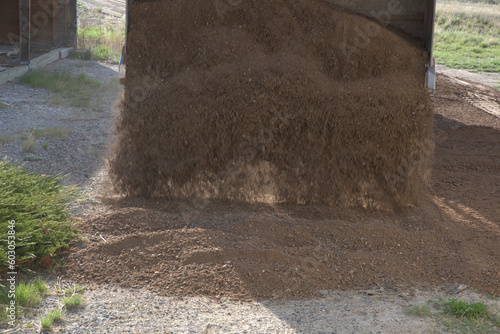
38	206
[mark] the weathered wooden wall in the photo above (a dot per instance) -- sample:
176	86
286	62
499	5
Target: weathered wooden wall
9	18
53	23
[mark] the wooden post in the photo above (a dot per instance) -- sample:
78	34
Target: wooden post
54	13
25	31
70	23
430	15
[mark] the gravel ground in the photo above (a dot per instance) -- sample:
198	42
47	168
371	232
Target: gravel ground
80	153
109	309
117	310
491	79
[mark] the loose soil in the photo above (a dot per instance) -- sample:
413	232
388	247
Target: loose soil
284	101
255	251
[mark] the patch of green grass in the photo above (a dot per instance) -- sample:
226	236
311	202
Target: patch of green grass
5	139
72	301
77	91
51	317
4	106
419	310
29	144
40	285
45	146
27	295
38	205
100	42
30	294
73	289
468	35
52	132
462	309
459	316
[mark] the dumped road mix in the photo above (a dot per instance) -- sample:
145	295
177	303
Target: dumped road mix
247	251
283	101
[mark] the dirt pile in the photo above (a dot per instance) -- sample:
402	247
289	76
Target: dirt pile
296	101
253	251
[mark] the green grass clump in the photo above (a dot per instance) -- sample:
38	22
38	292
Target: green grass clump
468	35
73	289
77	91
419	310
40	285
29	144
51	317
52	132
27	295
459	316
5	139
38	206
72	301
462	309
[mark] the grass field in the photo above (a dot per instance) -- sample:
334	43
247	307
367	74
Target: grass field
468	34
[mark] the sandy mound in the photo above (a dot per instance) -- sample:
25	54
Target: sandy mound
253	251
271	101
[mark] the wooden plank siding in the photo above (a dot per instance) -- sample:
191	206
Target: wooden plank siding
53	23
9	20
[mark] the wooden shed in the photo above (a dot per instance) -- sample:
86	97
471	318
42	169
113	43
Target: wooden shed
37	26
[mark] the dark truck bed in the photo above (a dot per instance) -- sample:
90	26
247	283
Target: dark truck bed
414	17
